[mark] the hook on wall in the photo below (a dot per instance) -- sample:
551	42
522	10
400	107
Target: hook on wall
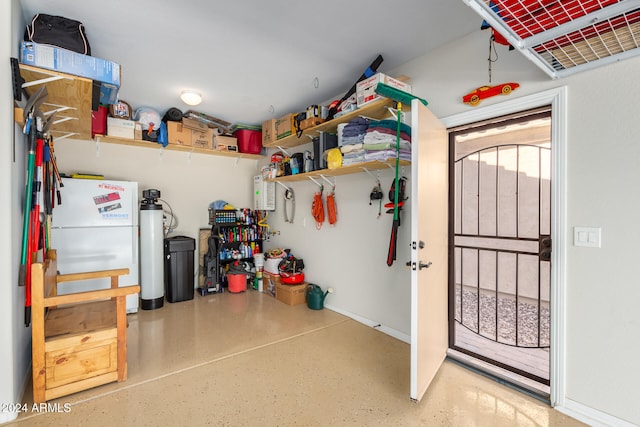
283	186
333	184
65	136
319	184
377	177
284	151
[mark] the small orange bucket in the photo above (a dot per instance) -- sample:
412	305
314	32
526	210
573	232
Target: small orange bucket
237	282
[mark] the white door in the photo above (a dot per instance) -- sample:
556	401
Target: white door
429	240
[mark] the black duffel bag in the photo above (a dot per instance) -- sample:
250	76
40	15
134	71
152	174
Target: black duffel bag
58	31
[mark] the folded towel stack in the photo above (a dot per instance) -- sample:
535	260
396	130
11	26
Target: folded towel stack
381	139
351	141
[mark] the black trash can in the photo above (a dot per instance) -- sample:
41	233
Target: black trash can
178	268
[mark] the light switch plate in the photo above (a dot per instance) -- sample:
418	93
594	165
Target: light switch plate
589	237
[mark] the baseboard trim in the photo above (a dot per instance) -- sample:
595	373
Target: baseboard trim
591	416
6	417
384	329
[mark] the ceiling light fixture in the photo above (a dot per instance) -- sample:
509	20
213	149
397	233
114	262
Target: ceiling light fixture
191	97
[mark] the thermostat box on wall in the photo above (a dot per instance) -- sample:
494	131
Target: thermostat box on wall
264	194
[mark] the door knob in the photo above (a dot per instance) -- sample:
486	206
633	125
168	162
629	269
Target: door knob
421	265
544	248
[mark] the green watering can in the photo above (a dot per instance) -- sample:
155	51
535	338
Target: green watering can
315	297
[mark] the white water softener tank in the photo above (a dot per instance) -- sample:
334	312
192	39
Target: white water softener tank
151	251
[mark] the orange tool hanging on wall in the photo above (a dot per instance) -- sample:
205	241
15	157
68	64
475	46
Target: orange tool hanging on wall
317	208
332	208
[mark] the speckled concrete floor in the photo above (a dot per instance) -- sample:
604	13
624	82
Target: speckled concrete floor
249	360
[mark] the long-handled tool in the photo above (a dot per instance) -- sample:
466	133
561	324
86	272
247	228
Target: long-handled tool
33	104
35	223
35	234
391	256
400	97
370	71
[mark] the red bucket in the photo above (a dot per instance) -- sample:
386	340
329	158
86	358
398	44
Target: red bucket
237	282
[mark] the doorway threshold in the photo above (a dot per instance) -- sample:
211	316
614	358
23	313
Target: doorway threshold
511	379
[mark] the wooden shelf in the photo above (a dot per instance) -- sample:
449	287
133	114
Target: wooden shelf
66	91
344	170
174	147
376	109
72	96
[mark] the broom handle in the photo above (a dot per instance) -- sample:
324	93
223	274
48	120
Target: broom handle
395	190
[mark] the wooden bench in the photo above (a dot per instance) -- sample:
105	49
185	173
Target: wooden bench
79	340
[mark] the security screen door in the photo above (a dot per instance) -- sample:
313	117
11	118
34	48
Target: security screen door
500	250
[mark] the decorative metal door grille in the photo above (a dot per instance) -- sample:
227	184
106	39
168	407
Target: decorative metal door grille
501	243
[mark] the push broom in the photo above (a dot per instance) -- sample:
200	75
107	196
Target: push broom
400	97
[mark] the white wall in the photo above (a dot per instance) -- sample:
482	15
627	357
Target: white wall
351	255
602	291
187	183
15	358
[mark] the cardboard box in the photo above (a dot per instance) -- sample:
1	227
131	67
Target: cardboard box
366	89
121	128
194	124
268	131
66	61
284	126
202	139
311	122
269	283
178	134
291	294
225	143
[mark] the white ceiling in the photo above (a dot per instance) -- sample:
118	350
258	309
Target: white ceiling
256	59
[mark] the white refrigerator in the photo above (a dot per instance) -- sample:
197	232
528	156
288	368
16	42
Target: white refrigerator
96	228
